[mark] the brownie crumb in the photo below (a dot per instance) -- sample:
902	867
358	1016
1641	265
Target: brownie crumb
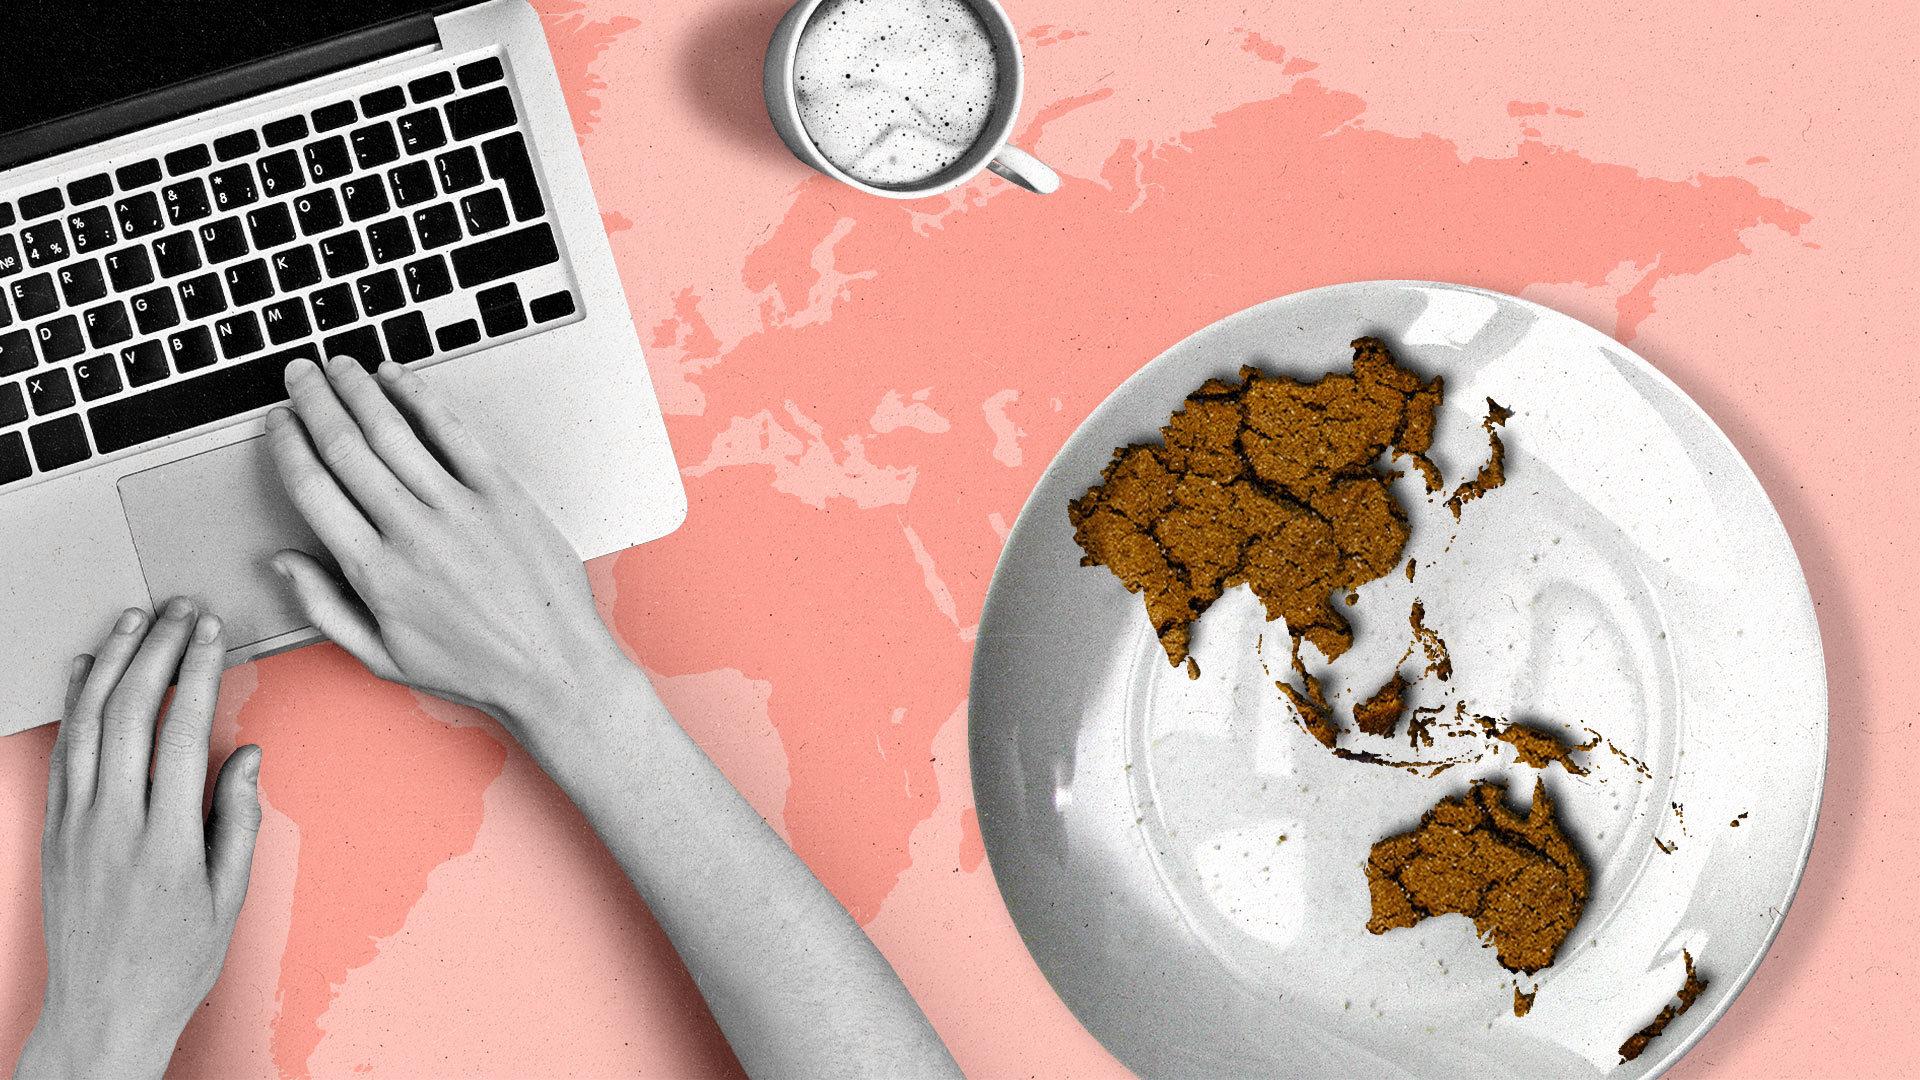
1439	663
1523	1003
1494	472
1540	748
1689	991
1380	714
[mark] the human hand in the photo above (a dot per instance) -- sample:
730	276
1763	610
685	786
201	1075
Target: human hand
140	892
456	582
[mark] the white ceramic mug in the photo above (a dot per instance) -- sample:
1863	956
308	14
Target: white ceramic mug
989	151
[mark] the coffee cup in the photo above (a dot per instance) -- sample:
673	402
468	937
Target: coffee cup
987	150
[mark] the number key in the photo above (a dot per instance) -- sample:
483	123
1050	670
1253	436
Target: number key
46	242
185	201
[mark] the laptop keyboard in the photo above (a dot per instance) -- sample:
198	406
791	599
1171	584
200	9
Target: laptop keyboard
168	293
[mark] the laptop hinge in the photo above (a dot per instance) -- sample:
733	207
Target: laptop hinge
220	88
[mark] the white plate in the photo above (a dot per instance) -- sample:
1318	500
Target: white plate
1631	577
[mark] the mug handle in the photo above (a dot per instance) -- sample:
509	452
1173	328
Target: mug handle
1017	166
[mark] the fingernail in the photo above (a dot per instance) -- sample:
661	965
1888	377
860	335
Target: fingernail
130	621
276	417
207	629
340	363
253	764
390	371
280	567
301	368
179	608
79	664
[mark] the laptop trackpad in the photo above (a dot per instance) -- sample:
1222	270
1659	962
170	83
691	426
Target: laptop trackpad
206	525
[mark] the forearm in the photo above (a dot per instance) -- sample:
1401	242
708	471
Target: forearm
793	981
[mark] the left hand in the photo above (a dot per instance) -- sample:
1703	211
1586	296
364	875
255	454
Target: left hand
140	892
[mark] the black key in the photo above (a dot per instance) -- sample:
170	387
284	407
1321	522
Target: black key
189	403
407	338
187	159
281	173
333	306
457	335
428	278
176	254
362	343
13	458
318	211
239	335
91	229
6	316
238	144
201	296
508	253
373	145
59	443
383	101
480	72
430	87
296	268
500	310
98	377
249	282
285	130
89	189
232	187
337	115
223	239
13	405
50	391
380	293
459	169
421	131
437	225
552	306
185	201
328	160
41	203
192	349
137	175
508	163
139	215
154	311
390	239
45	243
286	320
412	183
128	268
271	225
59	339
143	362
16	352
107	324
6	214
9	257
343	254
484	211
365	197
34	296
82	282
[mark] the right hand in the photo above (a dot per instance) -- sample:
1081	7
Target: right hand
455	580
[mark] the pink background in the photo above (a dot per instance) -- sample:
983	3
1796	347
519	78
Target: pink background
861	393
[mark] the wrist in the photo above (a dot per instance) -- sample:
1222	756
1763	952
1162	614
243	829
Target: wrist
579	703
65	1050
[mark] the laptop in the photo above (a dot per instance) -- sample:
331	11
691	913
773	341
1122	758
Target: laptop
192	195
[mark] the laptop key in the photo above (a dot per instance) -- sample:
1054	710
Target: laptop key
34	296
438	225
504	255
192	349
139	215
188	159
333	307
82	282
232	187
343	254
190	403
6	313
552	306
16	352
41	203
154	311
223	239
428	278
328	160
507	162
337	115
59	443
176	254
484	211
281	173
383	101
239	335
271	226
390	239
59	339
286	320
237	145
459	169
407	338
380	293
318	212
431	87
457	335
374	146
128	268
500	309
9	257
480	72
249	282
92	229
50	391
365	197
89	189
412	183
296	268
144	362
200	297
13	458
421	131
44	243
98	378
285	130
361	344
107	324
139	174
13	404
185	201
